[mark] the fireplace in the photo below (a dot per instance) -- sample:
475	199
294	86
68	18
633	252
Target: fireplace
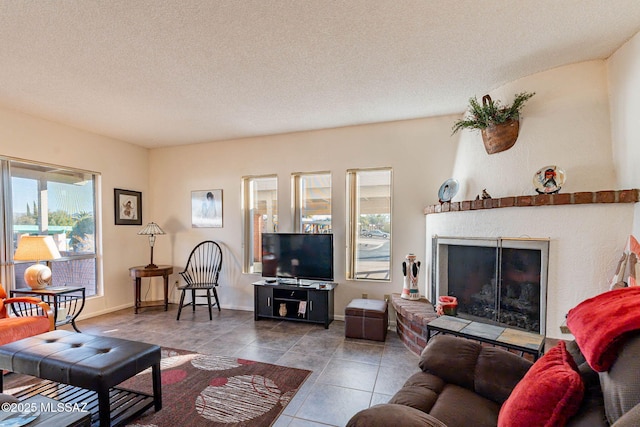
500	281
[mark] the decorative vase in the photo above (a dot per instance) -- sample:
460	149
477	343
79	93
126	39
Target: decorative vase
410	270
283	310
38	276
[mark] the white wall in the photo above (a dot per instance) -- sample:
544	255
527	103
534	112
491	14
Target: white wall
419	151
624	88
120	164
565	124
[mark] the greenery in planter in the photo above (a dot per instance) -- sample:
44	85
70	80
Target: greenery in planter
491	112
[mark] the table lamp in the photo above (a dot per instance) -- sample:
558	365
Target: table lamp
152	230
36	248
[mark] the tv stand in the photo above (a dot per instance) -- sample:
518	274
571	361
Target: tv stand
302	302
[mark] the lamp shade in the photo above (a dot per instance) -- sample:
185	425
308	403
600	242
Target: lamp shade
151	229
36	248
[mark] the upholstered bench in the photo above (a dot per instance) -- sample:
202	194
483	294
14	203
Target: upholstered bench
89	362
366	319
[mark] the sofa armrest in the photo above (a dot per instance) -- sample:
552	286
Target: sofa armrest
490	372
630	418
30	306
390	414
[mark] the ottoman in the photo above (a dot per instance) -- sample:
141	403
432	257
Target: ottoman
91	363
366	319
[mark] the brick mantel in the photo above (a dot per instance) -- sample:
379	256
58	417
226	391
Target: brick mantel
607	196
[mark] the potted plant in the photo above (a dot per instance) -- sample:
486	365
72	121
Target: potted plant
498	124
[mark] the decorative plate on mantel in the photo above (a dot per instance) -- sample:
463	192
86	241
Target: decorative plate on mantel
448	190
549	179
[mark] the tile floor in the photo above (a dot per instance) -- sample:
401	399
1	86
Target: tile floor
348	374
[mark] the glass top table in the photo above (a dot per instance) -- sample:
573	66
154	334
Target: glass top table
67	302
513	339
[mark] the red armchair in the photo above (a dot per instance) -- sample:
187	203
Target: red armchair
30	316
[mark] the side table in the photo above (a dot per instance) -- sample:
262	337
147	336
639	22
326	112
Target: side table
66	302
138	272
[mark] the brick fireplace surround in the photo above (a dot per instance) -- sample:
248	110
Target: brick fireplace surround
412	317
411	321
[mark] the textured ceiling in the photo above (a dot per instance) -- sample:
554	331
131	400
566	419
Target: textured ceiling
158	73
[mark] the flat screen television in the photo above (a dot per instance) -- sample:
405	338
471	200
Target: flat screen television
297	256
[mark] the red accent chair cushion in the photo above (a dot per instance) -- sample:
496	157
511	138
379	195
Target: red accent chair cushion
36	321
17	328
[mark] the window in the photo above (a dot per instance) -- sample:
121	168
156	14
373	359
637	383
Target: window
369	224
312	202
260	215
49	200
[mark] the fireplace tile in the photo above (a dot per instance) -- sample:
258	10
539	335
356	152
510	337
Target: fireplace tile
449	322
484	330
521	338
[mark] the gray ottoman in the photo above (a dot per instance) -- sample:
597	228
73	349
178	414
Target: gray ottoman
89	362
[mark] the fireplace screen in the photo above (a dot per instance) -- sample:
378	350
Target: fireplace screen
500	281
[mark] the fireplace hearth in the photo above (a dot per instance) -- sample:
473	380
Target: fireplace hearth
500	281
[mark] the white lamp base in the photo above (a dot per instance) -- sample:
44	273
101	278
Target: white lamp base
38	276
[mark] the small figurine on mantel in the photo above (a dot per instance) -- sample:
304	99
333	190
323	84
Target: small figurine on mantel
485	195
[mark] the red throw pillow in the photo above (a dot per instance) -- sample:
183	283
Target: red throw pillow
548	395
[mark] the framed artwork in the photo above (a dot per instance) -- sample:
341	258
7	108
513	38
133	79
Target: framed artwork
206	208
128	207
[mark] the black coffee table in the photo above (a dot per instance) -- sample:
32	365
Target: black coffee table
86	369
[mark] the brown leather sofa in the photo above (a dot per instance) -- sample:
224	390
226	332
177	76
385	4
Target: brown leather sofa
463	383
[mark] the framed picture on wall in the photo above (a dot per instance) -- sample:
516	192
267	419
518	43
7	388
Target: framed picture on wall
128	207
206	208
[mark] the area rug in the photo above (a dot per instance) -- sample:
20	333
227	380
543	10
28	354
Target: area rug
205	390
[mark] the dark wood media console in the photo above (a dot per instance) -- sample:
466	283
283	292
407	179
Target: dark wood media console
312	303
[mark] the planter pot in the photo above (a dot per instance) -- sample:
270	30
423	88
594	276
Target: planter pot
500	137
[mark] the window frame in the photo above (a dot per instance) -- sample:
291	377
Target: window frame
8	274
298	198
353	222
248	264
